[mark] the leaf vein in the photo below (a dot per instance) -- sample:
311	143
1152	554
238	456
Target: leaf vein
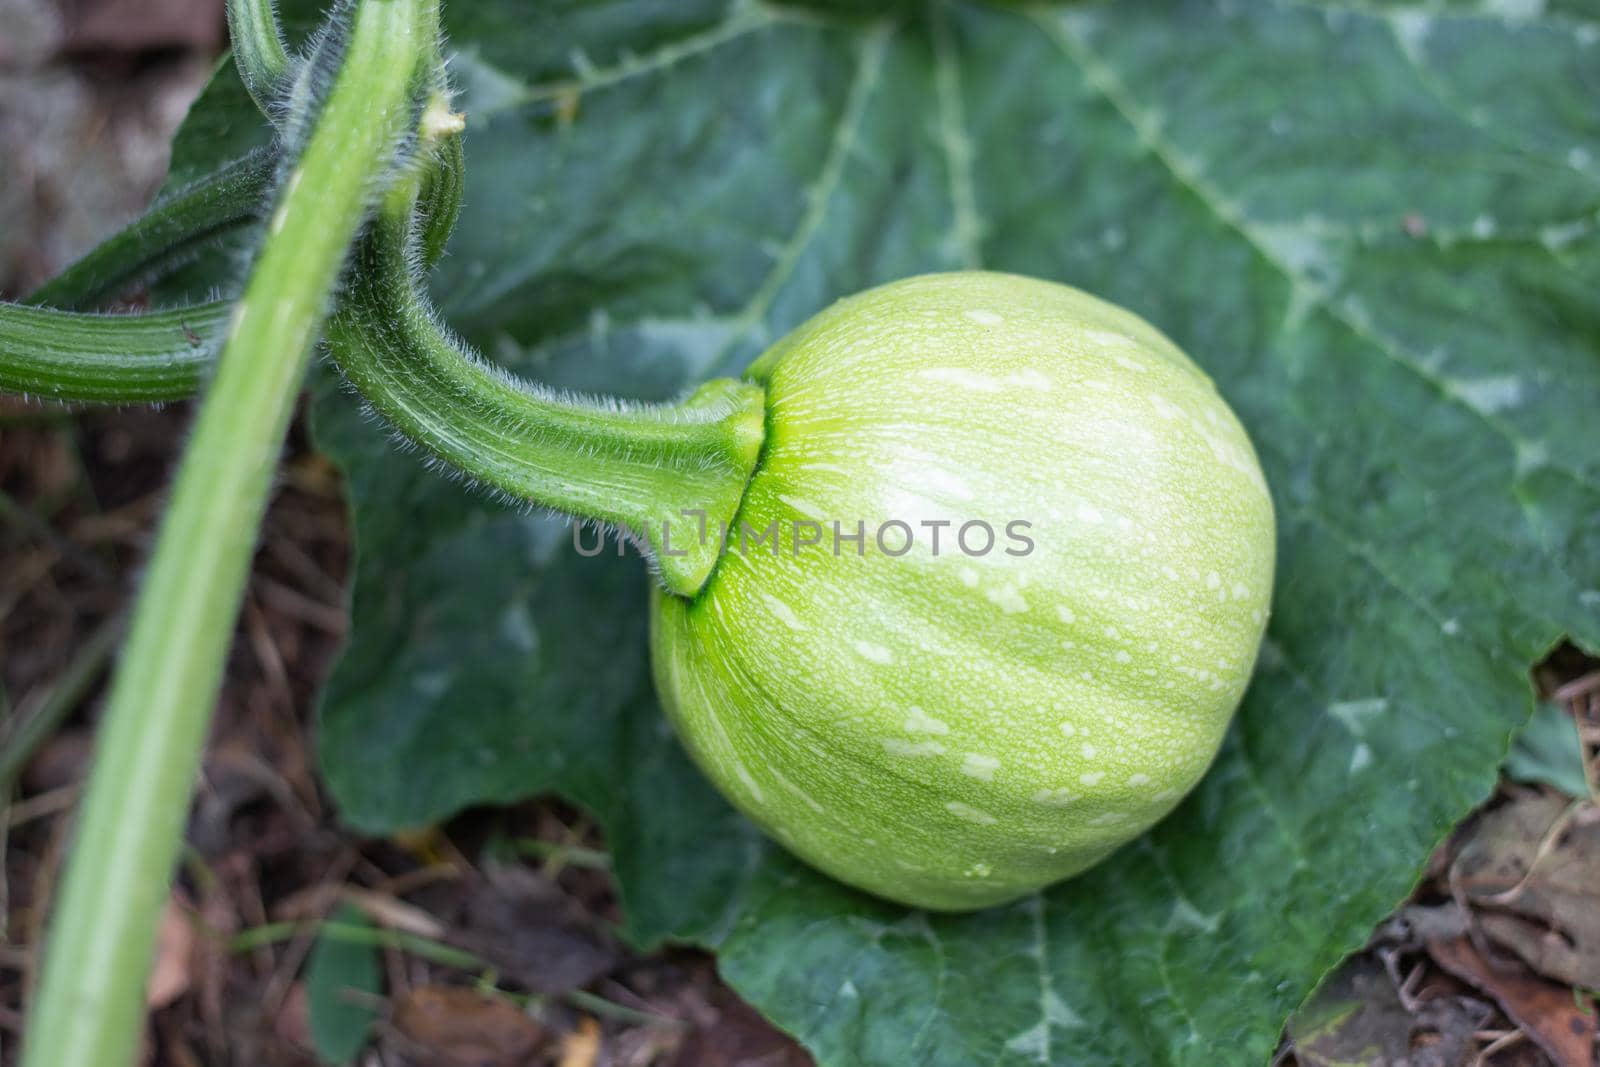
869	64
967	226
1567	23
1108	84
743	19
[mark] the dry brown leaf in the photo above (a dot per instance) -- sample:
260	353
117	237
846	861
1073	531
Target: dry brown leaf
455	1027
173	972
581	1047
1531	872
396	914
292	1023
534	933
738	1037
1548	1013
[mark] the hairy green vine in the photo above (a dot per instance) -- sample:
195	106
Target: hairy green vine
114	359
167	236
259	52
651	470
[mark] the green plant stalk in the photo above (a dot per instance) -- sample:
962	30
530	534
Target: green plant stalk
91	993
167	236
259	53
164	355
116	359
656	471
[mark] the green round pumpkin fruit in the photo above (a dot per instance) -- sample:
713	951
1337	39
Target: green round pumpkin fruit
995	588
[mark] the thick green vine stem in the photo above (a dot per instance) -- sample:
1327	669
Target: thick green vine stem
259	52
166	236
91	991
166	355
671	475
109	359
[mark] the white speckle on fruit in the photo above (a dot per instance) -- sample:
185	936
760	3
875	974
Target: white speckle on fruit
1055	798
749	783
783	612
1139	779
804	507
970	813
968	576
1107	339
1065	614
1165	409
920	722
1007	599
1128	363
896	747
966	379
1450	627
1090	752
976	765
1213	580
1124	657
984	318
979	870
874	653
1030	379
796	790
1067	729
818	465
1092	777
943	483
1089	513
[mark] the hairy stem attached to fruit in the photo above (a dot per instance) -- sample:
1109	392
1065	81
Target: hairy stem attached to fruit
90	999
666	473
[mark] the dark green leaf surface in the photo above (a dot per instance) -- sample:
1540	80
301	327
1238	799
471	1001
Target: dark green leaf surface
1373	224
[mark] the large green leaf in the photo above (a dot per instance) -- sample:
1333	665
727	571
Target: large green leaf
1373	224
